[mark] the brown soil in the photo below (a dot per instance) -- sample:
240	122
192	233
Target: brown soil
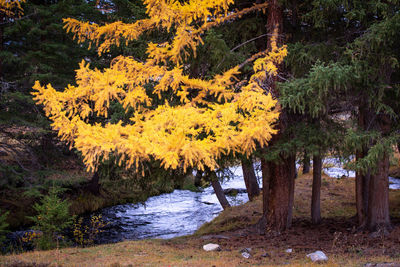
336	235
336	238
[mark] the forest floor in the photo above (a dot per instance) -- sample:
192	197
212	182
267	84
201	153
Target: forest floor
233	231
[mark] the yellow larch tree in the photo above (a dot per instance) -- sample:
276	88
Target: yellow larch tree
187	130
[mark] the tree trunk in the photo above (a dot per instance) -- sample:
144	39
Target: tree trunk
266	177
94	186
197	178
218	191
362	192
378	208
306	163
278	187
362	180
372	189
1	44
261	225
293	176
250	179
359	197
316	190
280	194
277	195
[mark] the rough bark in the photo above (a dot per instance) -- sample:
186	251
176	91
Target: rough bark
266	177
278	195
362	192
293	176
219	191
316	190
280	198
362	180
378	208
250	179
262	223
306	163
372	189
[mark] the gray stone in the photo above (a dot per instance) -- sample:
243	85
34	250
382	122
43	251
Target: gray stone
317	256
212	247
289	250
246	255
265	255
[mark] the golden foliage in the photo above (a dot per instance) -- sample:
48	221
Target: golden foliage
189	19
11	7
194	132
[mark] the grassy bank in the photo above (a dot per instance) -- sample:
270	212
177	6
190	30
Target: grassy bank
233	230
173	253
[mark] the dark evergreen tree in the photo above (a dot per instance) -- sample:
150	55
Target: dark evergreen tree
343	61
37	47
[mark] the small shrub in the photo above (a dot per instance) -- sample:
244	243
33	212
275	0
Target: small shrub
30	236
51	219
29	241
85	235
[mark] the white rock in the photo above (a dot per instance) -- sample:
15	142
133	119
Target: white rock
317	256
246	255
212	247
289	250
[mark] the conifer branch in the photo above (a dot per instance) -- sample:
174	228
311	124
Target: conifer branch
208	118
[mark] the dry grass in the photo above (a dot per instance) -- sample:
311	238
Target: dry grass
337	200
165	253
343	247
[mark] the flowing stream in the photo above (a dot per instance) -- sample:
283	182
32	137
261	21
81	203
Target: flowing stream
178	213
182	212
335	170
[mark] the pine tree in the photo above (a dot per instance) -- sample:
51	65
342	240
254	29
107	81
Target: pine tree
36	46
278	173
345	53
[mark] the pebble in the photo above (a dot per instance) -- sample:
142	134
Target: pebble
212	247
289	250
317	256
246	255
